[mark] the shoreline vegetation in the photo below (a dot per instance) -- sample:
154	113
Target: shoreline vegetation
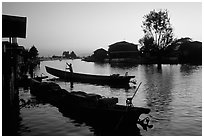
125	52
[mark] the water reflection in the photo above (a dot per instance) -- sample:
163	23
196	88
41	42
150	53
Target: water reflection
123	65
151	69
100	65
99	129
186	69
158	87
71	85
174	95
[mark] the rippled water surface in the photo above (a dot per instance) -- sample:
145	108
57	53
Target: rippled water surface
174	95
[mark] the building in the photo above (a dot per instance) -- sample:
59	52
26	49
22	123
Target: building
12	27
123	51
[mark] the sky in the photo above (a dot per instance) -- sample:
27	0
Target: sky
83	27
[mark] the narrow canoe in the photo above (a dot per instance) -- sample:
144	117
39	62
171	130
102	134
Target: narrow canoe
89	78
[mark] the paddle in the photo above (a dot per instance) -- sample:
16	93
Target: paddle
136	90
129	100
66	66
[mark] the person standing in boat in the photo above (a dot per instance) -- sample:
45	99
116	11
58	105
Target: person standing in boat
71	74
70	67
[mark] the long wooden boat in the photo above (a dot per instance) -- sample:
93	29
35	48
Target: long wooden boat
101	109
114	79
93	109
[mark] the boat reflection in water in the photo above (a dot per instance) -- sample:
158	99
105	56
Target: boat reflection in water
104	115
100	129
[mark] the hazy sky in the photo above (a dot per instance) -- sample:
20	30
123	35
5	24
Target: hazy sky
84	27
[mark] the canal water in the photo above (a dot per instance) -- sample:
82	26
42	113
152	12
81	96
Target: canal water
174	95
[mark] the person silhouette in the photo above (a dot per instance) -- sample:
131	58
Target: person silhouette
70	67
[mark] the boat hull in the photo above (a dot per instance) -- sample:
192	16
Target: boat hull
115	116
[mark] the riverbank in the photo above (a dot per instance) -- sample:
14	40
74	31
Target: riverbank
153	60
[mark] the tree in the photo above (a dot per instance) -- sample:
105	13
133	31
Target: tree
66	54
157	25
33	52
100	55
180	41
148	46
73	55
189	51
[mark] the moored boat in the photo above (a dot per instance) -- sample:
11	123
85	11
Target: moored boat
92	108
104	110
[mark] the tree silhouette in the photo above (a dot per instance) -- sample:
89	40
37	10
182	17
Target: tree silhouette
65	54
33	52
180	41
100	54
189	51
157	25
148	46
73	55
